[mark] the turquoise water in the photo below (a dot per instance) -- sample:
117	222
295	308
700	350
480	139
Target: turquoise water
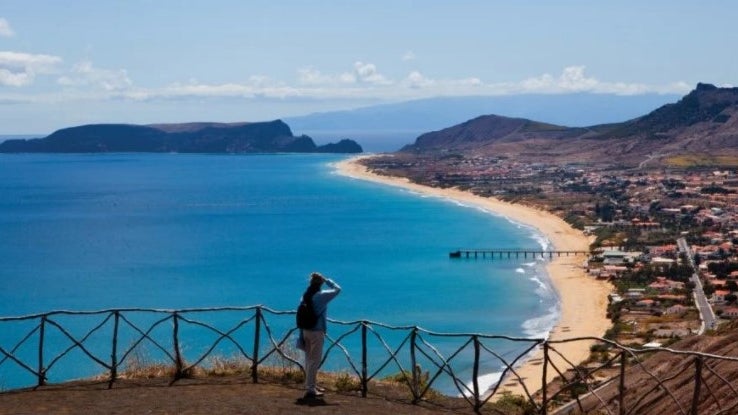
88	232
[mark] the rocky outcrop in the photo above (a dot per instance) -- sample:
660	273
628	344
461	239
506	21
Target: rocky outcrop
343	146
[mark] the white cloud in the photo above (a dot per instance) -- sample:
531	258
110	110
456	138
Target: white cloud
195	89
20	69
347	78
417	80
5	29
9	78
312	76
257	86
367	72
85	82
408	56
84	74
573	79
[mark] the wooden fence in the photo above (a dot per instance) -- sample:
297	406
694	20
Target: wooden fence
459	359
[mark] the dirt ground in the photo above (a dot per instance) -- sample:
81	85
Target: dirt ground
205	396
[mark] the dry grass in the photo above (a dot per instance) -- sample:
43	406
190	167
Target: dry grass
280	369
701	160
393	388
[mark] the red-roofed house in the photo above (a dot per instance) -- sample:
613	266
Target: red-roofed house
719	296
663	285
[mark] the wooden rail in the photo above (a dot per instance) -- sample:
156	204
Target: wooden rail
418	347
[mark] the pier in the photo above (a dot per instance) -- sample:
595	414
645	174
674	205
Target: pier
511	253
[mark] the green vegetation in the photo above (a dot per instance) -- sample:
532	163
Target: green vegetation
613	332
576	221
510	404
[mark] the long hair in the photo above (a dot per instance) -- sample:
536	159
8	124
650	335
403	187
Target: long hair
310	291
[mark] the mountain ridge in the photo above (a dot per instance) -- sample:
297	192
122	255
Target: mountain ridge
705	121
390	126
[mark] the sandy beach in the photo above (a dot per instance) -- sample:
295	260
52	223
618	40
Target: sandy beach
583	299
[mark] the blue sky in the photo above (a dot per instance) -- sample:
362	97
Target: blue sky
69	63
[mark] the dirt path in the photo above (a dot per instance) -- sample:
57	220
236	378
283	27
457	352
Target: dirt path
219	396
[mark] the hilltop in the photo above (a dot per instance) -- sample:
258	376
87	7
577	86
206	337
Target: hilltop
704	123
236	394
258	137
214	395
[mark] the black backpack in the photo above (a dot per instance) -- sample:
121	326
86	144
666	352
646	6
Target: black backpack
306	316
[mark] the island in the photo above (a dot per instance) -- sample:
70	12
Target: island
204	137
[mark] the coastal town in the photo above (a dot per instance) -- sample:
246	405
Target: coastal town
665	238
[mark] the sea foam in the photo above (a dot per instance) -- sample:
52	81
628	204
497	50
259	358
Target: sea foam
539	327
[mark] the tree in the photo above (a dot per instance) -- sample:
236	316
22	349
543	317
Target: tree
709	289
606	212
731	298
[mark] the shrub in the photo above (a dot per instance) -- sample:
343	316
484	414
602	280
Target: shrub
345	382
513	404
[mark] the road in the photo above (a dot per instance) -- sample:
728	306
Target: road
706	314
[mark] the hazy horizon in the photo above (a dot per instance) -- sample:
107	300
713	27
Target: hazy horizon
226	61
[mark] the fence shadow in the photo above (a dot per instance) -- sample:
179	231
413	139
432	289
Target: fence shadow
46	348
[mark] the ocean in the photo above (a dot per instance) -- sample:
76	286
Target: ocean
173	231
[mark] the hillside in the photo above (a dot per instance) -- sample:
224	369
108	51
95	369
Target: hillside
677	372
703	122
260	137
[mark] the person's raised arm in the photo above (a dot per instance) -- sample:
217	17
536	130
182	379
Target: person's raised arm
333	289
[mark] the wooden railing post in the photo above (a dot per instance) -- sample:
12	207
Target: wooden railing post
177	353
41	369
257	340
413	363
544	389
114	352
697	385
364	376
621	385
475	376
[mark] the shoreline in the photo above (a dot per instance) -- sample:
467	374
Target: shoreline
582	299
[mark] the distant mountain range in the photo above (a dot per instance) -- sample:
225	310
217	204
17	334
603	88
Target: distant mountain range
388	127
703	123
259	137
570	127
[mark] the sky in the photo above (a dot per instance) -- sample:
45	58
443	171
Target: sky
65	63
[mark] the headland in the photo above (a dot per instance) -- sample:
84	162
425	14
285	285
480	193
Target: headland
583	300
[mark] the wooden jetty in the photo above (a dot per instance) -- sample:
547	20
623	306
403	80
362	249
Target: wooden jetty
511	253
